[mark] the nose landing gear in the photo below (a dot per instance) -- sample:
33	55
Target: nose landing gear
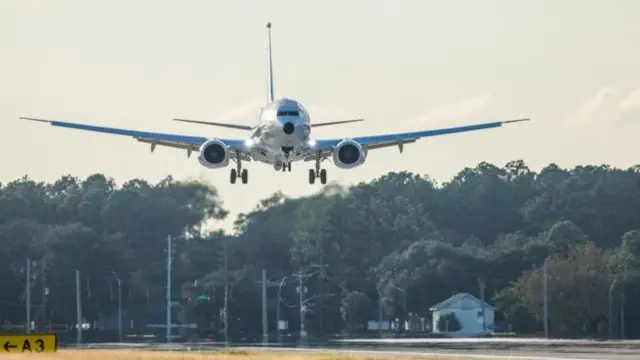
284	165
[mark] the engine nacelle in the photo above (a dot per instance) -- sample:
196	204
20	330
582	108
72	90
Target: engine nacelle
213	154
348	154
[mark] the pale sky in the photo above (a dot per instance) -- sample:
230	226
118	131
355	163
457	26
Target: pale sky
569	65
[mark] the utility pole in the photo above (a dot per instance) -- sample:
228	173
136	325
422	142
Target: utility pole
380	314
406	310
544	300
27	324
278	309
168	289
622	335
44	297
301	275
404	303
301	289
484	318
613	284
267	283
226	288
78	309
265	331
119	306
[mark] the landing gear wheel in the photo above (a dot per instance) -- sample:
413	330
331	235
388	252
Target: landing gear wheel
289	167
312	176
234	176
245	176
323	176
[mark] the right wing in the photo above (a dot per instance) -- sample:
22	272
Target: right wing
189	143
323	148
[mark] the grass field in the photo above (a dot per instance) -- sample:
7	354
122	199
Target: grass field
223	355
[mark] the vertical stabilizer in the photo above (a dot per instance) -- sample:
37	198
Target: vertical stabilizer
270	68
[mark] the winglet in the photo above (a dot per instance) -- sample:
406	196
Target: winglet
514	121
34	119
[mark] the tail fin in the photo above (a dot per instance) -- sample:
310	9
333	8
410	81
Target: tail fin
270	96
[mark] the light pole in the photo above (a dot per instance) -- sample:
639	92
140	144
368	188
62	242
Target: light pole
119	305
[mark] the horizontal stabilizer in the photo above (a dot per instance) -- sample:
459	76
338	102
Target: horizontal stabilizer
233	126
335	122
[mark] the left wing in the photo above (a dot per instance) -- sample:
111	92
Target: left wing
189	143
399	139
227	125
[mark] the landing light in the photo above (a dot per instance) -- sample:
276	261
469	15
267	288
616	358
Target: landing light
312	143
248	142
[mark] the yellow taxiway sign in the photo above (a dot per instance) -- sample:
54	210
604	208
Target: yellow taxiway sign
28	343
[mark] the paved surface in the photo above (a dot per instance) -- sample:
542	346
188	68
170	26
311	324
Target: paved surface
492	340
524	354
470	349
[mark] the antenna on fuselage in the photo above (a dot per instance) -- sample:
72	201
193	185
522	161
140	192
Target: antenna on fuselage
270	91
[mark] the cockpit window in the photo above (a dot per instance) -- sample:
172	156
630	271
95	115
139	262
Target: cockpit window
288	113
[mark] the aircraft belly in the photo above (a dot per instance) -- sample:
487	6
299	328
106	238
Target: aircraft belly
267	158
272	141
277	139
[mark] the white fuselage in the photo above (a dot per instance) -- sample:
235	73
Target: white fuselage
283	130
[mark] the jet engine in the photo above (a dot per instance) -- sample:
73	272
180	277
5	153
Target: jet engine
213	154
348	154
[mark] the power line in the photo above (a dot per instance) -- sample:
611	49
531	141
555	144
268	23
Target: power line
301	275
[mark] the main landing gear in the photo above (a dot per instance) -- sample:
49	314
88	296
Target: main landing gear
244	174
286	166
322	174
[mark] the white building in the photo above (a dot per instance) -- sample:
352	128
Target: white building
468	310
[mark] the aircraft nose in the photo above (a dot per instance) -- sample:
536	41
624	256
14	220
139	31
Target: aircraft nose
288	128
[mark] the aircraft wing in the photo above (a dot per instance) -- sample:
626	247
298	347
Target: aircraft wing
380	141
189	143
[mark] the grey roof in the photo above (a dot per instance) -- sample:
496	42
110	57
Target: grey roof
447	302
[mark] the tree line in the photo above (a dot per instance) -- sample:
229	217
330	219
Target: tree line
401	239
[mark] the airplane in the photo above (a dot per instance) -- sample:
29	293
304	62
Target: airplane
281	136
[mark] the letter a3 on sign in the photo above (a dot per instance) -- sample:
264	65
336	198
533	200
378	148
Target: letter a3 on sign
28	343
